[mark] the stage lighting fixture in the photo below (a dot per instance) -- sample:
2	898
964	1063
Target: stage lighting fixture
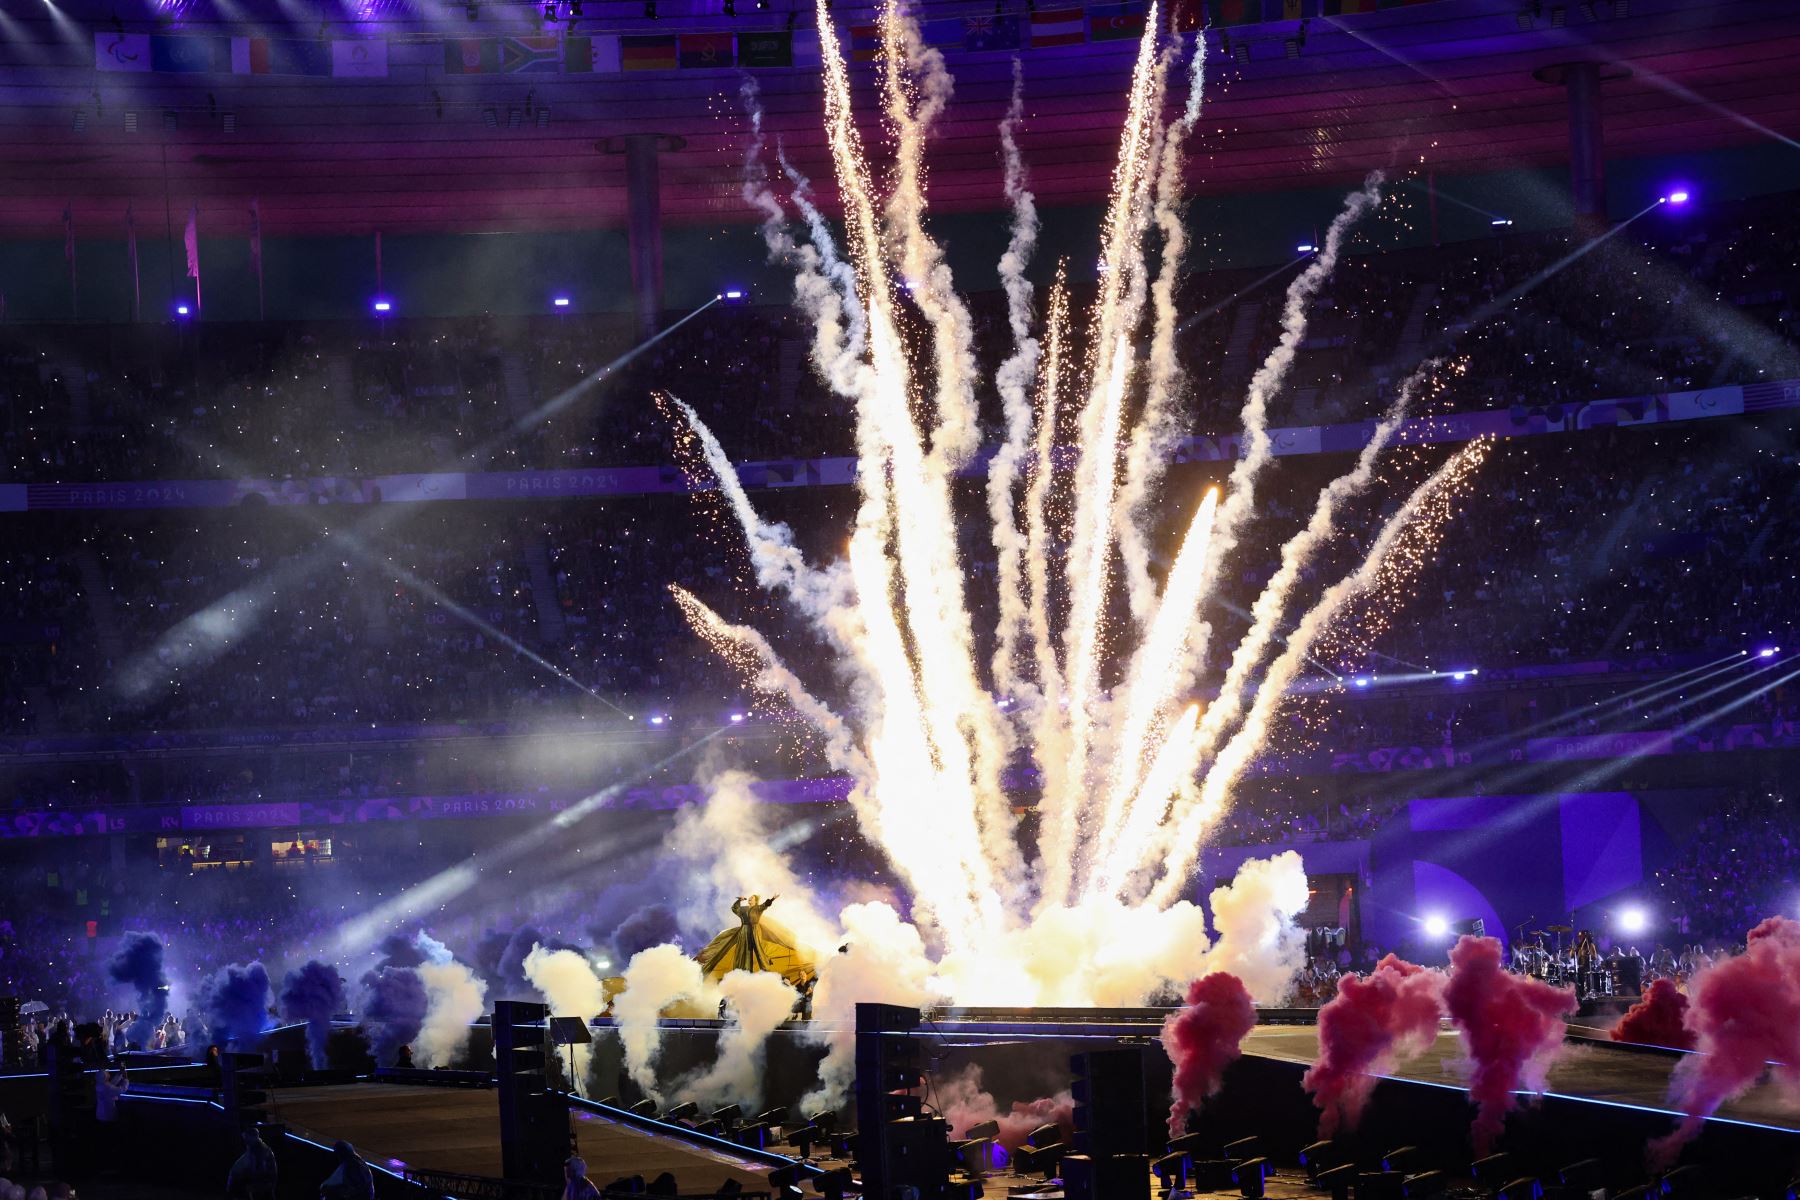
1338	1180
833	1184
1188	1143
1249	1176
662	1185
1492	1169
1436	926
1585	1175
643	1108
979	1155
1361	681
1305	248
985	1129
1500	222
1031	1160
682	1111
657	718
1678	196
1400	1159
560	302
1526	1188
1044	1135
1768	652
727	1115
785	1177
1425	1183
732	294
1633	920
384	306
182	310
1243	1150
773	1116
550	10
737	718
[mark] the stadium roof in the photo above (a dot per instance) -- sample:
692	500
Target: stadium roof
1448	84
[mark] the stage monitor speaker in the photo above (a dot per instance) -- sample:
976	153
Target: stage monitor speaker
1113	1108
534	1122
1112	1177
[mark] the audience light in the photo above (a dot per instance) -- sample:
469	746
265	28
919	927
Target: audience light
1361	681
1305	248
1500	221
1436	925
657	718
732	294
737	718
561	302
1768	652
182	310
1633	920
382	306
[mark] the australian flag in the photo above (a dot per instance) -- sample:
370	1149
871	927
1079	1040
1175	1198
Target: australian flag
991	33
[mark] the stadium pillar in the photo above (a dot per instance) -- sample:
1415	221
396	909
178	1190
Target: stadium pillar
643	189
1587	139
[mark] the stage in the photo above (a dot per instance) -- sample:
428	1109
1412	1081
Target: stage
458	1130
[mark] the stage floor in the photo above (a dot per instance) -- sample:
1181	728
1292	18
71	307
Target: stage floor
458	1129
1584	1072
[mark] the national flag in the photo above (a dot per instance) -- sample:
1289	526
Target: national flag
131	255
190	238
1058	27
540	52
943	33
361	58
1234	12
1347	8
190	55
648	53
578	55
1112	22
865	43
471	56
269	56
765	49
705	50
991	33
121	52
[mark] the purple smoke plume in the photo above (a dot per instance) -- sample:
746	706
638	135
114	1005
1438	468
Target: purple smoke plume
652	925
313	992
393	1010
138	963
235	1003
399	950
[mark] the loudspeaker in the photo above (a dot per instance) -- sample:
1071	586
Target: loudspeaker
1115	1177
1112	1106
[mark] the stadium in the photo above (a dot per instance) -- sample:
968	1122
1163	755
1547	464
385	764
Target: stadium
715	598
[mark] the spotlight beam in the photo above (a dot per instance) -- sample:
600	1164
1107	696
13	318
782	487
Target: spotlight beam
1242	292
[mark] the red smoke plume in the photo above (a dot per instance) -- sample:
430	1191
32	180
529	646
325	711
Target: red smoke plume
1659	1019
1369	1026
1203	1039
964	1104
1745	1014
1512	1028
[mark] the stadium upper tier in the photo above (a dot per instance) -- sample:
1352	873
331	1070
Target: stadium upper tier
1667	305
264	102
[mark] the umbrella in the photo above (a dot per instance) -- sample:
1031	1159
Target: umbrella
31	1007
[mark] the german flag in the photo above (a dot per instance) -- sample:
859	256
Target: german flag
648	53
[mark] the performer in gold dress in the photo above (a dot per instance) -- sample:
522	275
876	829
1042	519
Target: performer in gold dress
756	944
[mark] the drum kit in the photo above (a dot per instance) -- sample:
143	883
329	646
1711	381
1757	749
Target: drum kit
1549	955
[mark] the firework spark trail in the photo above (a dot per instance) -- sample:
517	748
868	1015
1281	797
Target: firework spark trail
1420	519
1089	556
964	725
1240	486
1149	806
1013	382
1146	458
1146	692
906	738
824	596
910	67
750	651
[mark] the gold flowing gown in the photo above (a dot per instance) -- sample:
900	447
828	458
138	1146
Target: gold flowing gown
756	944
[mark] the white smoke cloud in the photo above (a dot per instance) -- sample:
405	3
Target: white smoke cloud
571	988
655	979
756	1004
883	961
1254	917
454	998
